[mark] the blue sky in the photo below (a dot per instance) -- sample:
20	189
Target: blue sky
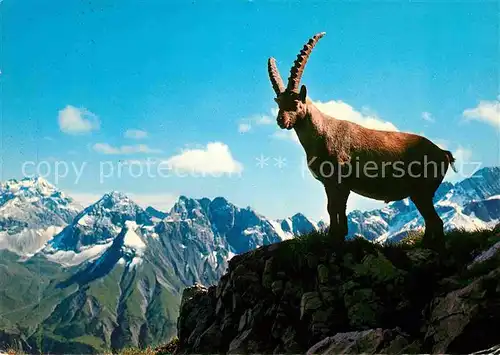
94	84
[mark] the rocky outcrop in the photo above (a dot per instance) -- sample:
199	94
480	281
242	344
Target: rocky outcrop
308	295
372	341
467	316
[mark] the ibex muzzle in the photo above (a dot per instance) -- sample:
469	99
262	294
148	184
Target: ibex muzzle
388	166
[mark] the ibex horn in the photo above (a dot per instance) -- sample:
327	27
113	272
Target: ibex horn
275	77
300	63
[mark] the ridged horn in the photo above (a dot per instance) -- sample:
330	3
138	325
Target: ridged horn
300	62
275	77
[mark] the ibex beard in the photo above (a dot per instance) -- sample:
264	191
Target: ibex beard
345	156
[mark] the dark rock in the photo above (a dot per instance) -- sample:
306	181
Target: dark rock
196	314
239	344
209	339
377	268
323	273
267	277
372	341
328	293
494	350
310	302
466	318
277	287
292	290
312	261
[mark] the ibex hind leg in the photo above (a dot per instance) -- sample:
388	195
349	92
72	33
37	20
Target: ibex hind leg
434	232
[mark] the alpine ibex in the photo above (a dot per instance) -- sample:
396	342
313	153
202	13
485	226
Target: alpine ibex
345	156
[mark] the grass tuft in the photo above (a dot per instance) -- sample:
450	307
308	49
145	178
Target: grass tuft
168	348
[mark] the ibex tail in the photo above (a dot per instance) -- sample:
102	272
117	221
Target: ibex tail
451	160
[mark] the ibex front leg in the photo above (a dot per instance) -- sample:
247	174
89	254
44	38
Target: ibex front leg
337	202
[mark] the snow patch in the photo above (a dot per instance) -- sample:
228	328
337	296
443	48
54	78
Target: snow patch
250	231
136	261
28	242
132	239
230	255
86	221
281	233
71	258
377	220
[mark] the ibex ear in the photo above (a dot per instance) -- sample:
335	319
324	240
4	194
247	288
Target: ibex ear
303	93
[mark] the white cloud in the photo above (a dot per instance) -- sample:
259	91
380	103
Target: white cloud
246	124
263	120
135	134
343	111
485	111
215	158
427	116
105	148
463	154
73	120
244	127
464	163
289	135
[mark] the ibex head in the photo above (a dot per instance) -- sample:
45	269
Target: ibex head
291	101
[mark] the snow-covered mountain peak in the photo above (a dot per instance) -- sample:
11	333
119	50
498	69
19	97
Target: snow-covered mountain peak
210	225
100	222
482	184
220	201
220	204
32	211
29	198
189	208
297	224
114	198
29	188
115	204
36	181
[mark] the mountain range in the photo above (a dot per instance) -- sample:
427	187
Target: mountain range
110	275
